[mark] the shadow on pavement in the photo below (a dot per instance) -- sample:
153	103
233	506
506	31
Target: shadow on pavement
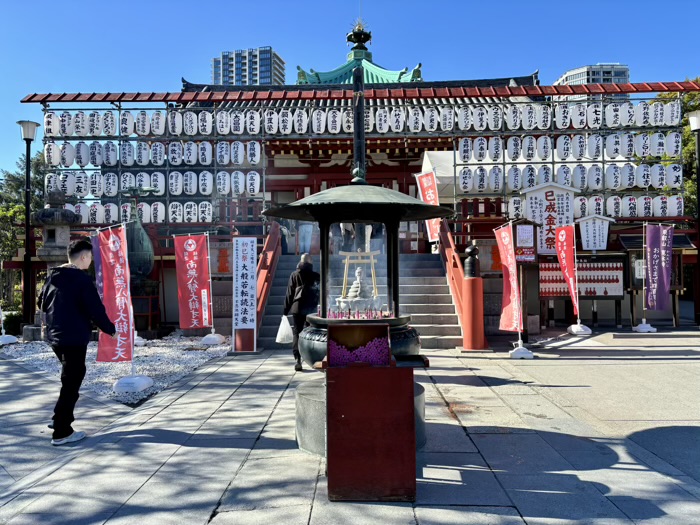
676	445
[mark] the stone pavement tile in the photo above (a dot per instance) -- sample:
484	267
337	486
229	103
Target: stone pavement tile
279	515
206	459
74	517
273	482
568	427
147	434
581	452
490	420
461	515
456	479
559	498
534	406
519	453
482	396
446	437
230	424
325	512
275	447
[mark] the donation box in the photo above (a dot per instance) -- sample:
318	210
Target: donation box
371	437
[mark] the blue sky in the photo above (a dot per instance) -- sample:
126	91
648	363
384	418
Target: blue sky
148	45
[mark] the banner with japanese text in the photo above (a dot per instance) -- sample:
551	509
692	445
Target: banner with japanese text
428	191
567	260
511	310
659	250
193	281
245	262
116	295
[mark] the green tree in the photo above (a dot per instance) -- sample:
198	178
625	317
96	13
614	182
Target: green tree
689	102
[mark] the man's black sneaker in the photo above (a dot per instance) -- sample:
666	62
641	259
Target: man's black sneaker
297	365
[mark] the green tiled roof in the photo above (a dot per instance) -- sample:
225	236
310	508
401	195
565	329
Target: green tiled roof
374	74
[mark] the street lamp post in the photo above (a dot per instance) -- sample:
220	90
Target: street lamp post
694	122
28	134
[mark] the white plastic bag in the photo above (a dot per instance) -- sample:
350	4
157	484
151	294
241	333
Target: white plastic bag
284	334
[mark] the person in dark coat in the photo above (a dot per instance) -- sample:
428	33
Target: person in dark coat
301	300
71	304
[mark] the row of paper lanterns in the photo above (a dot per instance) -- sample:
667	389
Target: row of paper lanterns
81	184
140	153
482	179
614	206
286	121
594	146
177	212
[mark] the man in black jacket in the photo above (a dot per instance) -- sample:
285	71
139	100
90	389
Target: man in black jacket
301	300
71	304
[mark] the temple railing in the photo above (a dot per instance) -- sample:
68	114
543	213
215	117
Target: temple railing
267	264
454	269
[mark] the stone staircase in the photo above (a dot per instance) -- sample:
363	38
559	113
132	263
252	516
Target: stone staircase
424	294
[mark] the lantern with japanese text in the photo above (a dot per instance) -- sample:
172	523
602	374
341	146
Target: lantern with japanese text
51	124
205	211
529	174
109	124
125	212
512	117
466	180
432	117
51	183
563	176
660	206
252	121
111	184
447	117
496	179
67	154
253	153
480	148
223	122
627	145
238	121
594	115
465	149
613	146
596	204
253	183
544	147
175	212
237	153
158	154
464	118
189	123
529	117
346	121
495	148
189	183
672	113
397	119
594	146
642	114
143	211
675	206
642	145
223	153
382	120
111	213
157	123
175	183
223	183
578	115
658	144
65	124
645	206
301	121
206	182
287	123
544	174
81	184
174	122
143	153
612	115
96	213
674	175
95	153
94	124
126	123
158	212
642	175
175	152
627	114
480	179
658	176
204	152
415	119
52	154
514	180
126	153
613	206
674	144
628	177
563	146
189	153
595	178
142	179
578	147
515	208
82	209
96	184
562	115
479	118
80	124
142	124
158	183
271	122
237	183
126	181
613	177
369	119
190	212
514	147
205	122
580	207
544	116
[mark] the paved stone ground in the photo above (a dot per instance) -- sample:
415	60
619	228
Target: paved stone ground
600	431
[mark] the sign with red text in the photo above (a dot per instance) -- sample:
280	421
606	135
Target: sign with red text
511	311
193	281
567	261
428	192
116	296
551	206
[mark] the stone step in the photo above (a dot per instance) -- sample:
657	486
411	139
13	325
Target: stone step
436	342
275	309
432	271
416	319
336	290
437	329
403	280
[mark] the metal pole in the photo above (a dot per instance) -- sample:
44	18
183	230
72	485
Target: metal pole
27	262
696	281
644	272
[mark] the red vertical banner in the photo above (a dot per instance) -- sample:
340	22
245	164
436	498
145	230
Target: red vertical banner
428	191
511	310
193	281
565	242
116	296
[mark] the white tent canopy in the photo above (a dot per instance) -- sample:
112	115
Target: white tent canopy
442	163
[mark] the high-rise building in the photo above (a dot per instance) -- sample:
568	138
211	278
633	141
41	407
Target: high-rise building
248	67
604	73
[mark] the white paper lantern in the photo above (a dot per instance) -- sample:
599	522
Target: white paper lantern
496	179
126	181
81	184
346	121
512	117
189	123
415	119
514	147
189	153
595	177
111	213
158	154
596	205
175	153
627	114
642	145
142	180
544	116
52	124
464	118
158	182
613	115
544	174
481	178
271	120
52	154
481	147
189	183
318	121
657	144
126	153
253	183
95	154
205	122
578	115
465	149
111	184
287	122
515	208
613	177
672	113
642	114
562	116
645	206
237	153
594	146
175	212
479	118
126	123
80	124
143	153
563	147
495	148
657	114
563	175
544	147
238	121
627	145
381	120
253	150
96	213
674	144
529	147
96	184
613	206
67	154
237	183
514	180
676	207
642	175
658	176
252	121
51	183
659	206
223	153
529	117
397	119
206	182
223	122
65	124
223	183
578	146
301	121
447	117
158	212
529	175
175	183
579	177
191	212
94	124
629	206
613	146
594	115
431	119
82	209
142	123
143	211
204	152
494	118
205	211
110	154
174	122
580	207
466	179
674	176
628	177
109	124
158	123
66	182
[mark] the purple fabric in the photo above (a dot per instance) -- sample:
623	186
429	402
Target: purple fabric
376	352
97	260
659	246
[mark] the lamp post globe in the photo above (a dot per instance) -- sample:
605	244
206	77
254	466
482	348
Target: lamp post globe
694	122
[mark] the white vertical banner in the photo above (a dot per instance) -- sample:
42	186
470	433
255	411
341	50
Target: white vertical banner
245	263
